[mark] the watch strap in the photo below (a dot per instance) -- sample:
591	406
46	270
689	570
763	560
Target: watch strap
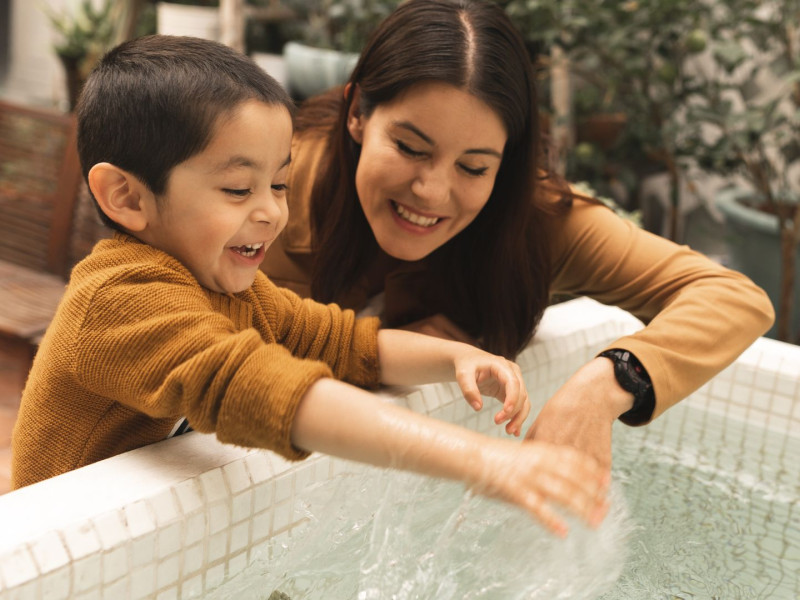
633	377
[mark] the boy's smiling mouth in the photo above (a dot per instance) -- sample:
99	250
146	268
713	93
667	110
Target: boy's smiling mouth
248	250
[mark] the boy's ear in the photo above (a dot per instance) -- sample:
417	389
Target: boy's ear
120	195
355	123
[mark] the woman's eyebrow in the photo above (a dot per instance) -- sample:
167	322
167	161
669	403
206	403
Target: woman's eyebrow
413	129
416	131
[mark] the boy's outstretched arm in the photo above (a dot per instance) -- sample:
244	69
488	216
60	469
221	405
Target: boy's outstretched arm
342	420
408	358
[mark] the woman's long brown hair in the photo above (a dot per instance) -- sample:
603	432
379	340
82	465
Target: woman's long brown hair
495	274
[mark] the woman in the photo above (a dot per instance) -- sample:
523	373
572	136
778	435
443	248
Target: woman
420	180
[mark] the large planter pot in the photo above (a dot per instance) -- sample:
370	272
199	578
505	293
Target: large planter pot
310	70
186	19
754	247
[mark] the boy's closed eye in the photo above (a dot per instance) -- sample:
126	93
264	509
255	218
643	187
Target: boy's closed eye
239	193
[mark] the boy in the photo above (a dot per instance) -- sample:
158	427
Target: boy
186	146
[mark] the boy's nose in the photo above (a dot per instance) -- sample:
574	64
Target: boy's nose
268	209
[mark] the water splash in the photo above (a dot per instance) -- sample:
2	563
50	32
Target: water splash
390	535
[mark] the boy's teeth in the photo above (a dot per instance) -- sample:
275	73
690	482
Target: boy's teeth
414	218
248	249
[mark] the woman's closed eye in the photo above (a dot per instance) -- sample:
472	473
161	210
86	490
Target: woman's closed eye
474	172
408	150
280	187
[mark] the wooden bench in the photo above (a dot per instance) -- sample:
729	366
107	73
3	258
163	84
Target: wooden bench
40	188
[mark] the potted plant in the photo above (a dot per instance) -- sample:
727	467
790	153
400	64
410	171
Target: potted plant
332	35
87	32
746	125
637	54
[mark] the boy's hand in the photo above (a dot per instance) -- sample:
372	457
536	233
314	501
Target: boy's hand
535	475
480	373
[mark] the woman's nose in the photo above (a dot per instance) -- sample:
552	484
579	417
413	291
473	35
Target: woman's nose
432	185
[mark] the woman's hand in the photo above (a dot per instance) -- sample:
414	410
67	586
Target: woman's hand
582	412
479	373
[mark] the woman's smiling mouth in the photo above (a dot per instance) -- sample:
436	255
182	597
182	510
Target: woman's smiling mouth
413	217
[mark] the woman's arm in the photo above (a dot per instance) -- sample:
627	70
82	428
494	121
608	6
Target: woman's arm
338	419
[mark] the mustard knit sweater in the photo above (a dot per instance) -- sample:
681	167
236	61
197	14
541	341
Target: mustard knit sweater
137	344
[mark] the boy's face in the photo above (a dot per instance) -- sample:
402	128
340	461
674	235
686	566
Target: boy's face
224	206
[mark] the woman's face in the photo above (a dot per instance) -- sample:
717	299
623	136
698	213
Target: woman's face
428	163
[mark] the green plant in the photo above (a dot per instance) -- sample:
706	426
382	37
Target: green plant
342	25
636	54
87	30
746	121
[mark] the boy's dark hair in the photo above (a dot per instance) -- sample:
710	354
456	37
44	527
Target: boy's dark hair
151	103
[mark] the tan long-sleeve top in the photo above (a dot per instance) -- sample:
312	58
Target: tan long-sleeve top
699	315
137	344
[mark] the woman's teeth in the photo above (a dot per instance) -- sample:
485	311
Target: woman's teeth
248	250
415	218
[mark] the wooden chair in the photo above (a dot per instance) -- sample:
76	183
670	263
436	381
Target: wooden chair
40	179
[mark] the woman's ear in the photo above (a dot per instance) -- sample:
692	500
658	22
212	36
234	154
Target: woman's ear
355	121
120	195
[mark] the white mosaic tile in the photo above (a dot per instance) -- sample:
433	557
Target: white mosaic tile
139	519
170	593
17	567
93	594
237	477
219	516
189	496
168	571
281	516
169	540
217	546
259	467
263	496
143	581
165	507
283	487
213	485
87	573
240	537
214	576
261	527
115	564
192	587
111	529
81	540
237	564
192	559
194	528
49	552
57	585
143	550
242	506
26	591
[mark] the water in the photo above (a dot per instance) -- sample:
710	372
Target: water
703	508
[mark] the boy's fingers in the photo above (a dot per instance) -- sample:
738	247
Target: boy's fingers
469	388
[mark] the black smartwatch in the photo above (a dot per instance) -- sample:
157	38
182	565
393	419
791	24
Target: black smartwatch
632	377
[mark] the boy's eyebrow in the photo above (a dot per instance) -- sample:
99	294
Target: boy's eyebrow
243	161
416	131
